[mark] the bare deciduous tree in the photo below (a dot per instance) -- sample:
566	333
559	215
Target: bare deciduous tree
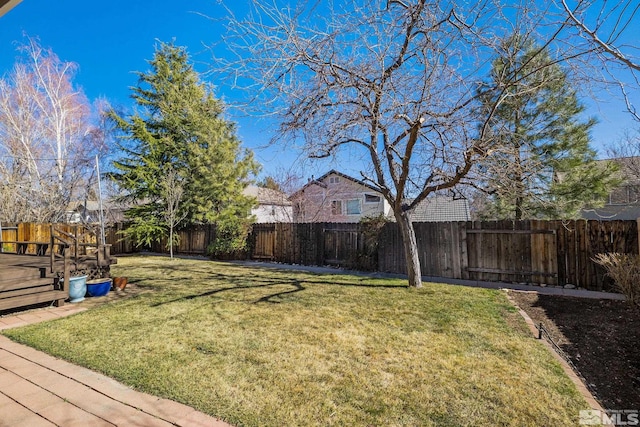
401	80
609	29
172	192
47	137
628	146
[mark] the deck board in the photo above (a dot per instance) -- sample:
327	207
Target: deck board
22	282
13	260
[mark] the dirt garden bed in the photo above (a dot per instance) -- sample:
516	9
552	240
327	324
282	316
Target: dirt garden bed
601	338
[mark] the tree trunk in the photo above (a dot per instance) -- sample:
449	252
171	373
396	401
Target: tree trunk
414	272
518	215
171	243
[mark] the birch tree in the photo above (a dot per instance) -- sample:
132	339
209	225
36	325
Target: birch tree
48	137
398	80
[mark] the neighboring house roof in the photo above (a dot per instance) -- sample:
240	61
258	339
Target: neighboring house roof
438	208
320	181
91	209
267	196
441	209
612	212
7	5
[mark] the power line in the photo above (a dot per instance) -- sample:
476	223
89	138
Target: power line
7	156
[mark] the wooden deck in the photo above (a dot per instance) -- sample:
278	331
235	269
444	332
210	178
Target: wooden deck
37	260
26	261
26	280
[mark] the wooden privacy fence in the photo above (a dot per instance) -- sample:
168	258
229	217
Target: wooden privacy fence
193	240
36	238
338	244
308	244
537	252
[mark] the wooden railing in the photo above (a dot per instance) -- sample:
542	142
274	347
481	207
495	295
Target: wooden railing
70	247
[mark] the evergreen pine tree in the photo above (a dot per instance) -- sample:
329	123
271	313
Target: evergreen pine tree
542	165
179	126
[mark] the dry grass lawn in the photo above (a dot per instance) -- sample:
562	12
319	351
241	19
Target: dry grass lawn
264	347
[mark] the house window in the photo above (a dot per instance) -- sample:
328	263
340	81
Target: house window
334	180
336	207
353	207
633	194
371	198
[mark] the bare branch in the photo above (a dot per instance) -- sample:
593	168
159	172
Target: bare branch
403	80
605	46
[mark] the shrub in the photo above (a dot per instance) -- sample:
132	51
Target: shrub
230	240
624	269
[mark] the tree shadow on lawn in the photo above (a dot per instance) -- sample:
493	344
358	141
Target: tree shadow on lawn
355	276
297	287
244	282
601	337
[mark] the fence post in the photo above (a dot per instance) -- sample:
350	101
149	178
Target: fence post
638	231
464	256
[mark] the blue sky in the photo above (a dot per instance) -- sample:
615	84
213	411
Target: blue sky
110	40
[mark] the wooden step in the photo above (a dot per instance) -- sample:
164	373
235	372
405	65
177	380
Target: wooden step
14	273
41	297
15	284
48	286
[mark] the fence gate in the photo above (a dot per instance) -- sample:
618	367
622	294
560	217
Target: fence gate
265	235
512	255
341	244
